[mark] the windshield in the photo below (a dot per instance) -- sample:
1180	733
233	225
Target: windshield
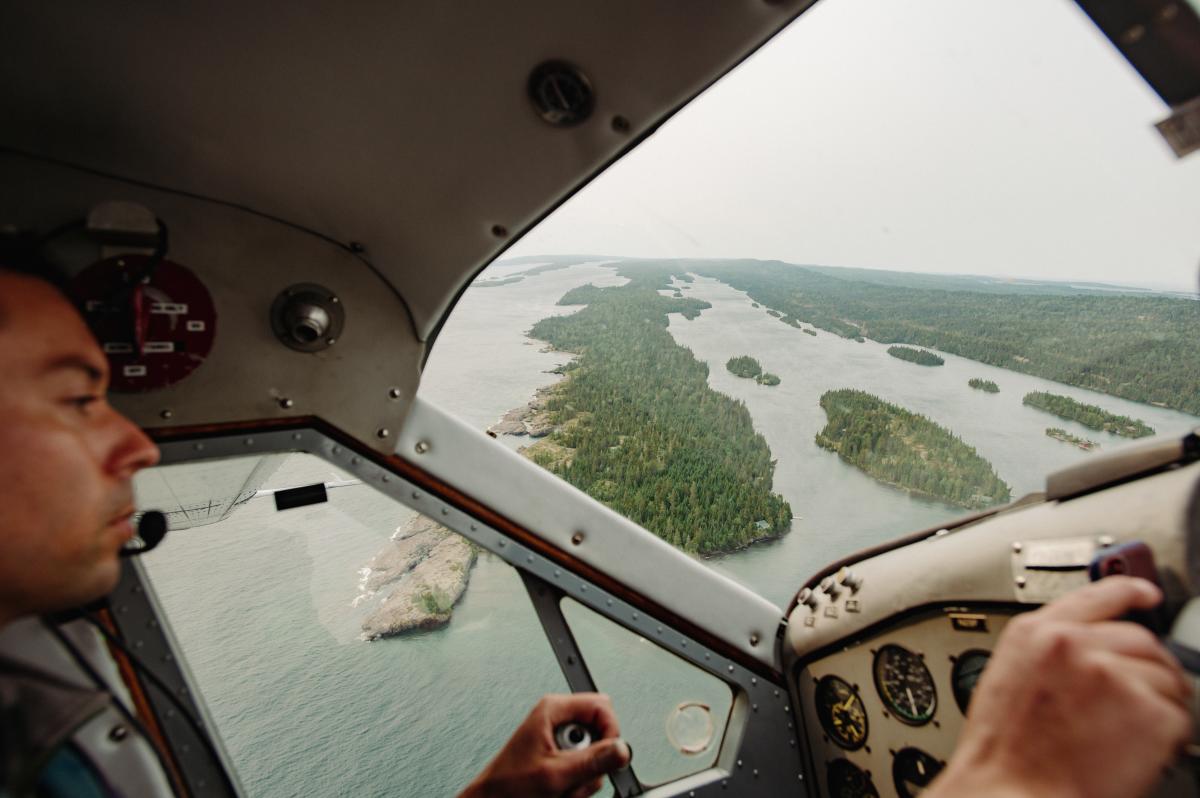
866	284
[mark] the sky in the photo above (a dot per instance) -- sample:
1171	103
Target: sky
948	136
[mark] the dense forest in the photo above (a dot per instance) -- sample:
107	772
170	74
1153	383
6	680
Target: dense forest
983	385
749	368
919	356
639	429
1139	347
1060	434
1090	416
907	450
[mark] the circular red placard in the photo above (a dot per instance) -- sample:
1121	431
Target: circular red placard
155	321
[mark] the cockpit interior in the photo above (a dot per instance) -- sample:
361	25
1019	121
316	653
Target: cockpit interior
456	407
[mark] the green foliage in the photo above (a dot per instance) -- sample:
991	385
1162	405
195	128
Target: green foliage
919	356
744	366
1060	434
640	430
907	450
767	378
1090	416
983	385
434	601
1136	347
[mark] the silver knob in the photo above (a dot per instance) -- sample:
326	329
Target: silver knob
850	580
808	599
830	587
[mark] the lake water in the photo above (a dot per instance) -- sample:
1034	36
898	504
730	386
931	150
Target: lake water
263	602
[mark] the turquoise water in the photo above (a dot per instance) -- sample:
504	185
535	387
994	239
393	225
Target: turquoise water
263	602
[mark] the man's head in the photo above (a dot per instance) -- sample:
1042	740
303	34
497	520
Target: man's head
66	457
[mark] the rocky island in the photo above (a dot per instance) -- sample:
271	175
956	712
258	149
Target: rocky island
749	368
1060	434
1090	416
427	567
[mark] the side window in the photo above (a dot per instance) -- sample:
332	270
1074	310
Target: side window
673	714
334	644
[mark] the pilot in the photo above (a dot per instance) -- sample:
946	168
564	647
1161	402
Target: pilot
1073	702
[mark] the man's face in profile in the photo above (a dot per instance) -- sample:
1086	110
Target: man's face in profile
66	457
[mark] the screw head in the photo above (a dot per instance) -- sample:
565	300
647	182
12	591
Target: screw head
393	393
118	733
577	538
422	447
166	414
382	432
1020	581
286	403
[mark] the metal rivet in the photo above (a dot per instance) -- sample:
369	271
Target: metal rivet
355	460
635	616
1105	540
1017	548
286	403
529	558
583	588
382	432
296	436
334	300
166	414
118	733
502	543
422	447
1020	581
248	442
739	763
754	639
499	231
445	511
659	630
620	124
557	573
331	341
474	527
198	447
731	669
393	393
386	478
577	538
754	707
756	773
358	246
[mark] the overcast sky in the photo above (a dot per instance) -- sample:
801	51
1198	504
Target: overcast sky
960	136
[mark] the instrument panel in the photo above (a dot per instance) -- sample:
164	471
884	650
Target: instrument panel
883	711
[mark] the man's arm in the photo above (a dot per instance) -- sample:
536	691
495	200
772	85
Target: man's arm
1073	703
531	766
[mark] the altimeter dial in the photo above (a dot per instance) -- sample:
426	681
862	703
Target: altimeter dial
905	684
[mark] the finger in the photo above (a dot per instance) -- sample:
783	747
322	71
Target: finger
579	768
1167	682
593	709
1104	600
583	791
1130	640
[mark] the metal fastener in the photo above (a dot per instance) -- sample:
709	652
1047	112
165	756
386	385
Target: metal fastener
382	432
286	403
166	414
118	733
394	393
422	447
1017	547
577	538
1020	581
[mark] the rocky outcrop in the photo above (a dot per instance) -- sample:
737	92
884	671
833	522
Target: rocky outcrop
531	418
427	567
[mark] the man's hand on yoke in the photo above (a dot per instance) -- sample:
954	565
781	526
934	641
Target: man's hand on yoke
1074	703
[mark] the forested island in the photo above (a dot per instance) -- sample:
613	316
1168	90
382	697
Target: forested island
919	356
1059	434
1090	416
1135	346
749	368
670	453
907	450
983	385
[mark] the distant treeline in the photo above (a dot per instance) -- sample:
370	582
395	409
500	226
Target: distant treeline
641	431
984	385
1090	416
907	450
918	356
1135	347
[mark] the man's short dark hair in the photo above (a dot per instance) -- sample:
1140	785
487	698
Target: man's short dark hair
21	252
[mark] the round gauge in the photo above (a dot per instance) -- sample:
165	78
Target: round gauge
905	684
842	713
912	771
844	780
967	670
154	319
